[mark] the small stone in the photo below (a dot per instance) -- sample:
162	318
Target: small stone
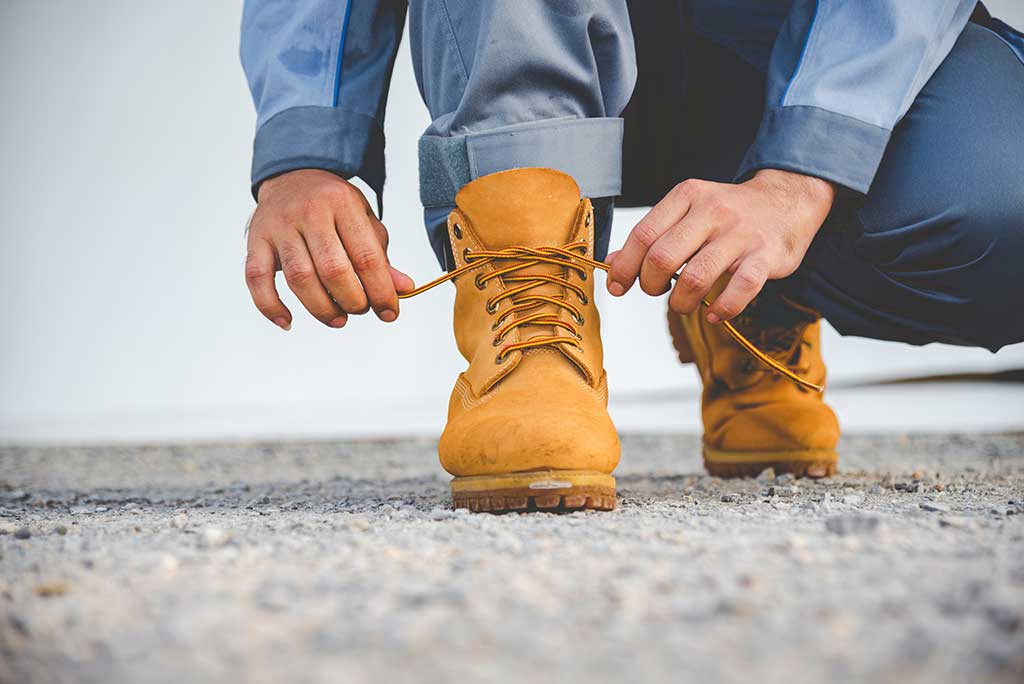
22	533
101	509
916	475
784	478
939	487
767	475
900	486
8	528
853	499
213	537
51	589
60	529
362	524
935	507
956	522
852	524
875	489
729	498
179	521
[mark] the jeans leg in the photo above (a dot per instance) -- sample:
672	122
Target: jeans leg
519	84
935	251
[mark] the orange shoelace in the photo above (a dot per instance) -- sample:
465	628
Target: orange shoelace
569	258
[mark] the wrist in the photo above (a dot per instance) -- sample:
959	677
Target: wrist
815	193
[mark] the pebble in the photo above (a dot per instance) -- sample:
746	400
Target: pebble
179	521
956	522
51	589
935	507
729	498
767	475
101	509
853	499
784	478
61	530
22	533
213	537
8	528
875	489
857	523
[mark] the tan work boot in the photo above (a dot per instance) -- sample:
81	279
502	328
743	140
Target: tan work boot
755	418
528	426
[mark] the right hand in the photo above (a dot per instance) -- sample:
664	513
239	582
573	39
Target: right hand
319	229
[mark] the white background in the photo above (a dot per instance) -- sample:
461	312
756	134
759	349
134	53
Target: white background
125	134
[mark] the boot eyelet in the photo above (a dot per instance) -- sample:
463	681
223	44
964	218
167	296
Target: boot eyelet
584	300
583	276
586	221
492	307
465	254
500	358
480	285
496	342
579	319
457	229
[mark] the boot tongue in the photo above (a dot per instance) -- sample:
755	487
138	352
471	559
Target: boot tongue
521	207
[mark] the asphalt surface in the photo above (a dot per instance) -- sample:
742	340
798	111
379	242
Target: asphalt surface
343	562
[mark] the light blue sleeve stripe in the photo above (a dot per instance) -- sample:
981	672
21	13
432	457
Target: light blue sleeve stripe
803	53
341	52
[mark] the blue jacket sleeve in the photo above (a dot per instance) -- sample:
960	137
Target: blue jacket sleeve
319	72
841	76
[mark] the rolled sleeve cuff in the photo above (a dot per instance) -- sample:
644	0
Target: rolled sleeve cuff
336	140
817	142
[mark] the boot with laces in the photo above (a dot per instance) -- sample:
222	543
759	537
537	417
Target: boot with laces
755	418
528	427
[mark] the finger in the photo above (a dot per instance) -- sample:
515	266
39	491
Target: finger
702	271
745	283
335	270
363	244
304	281
662	216
612	256
671	251
259	277
401	281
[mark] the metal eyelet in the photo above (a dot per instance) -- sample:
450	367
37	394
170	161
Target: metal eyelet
457	229
480	285
584	300
583	276
496	342
492	307
579	319
586	221
500	358
465	254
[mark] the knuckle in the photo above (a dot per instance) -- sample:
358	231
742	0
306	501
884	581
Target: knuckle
693	278
300	275
367	259
255	271
688	188
662	259
645	234
750	278
335	269
729	308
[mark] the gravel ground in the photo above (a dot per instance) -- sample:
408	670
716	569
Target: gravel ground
342	562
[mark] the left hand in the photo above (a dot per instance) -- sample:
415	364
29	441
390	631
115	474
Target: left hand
757	230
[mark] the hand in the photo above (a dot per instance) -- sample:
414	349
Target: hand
755	231
320	230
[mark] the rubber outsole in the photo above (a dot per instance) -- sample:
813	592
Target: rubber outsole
549	491
812	463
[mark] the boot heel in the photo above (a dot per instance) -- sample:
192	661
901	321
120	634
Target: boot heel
680	340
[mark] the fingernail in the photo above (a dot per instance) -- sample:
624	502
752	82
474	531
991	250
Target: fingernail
712	318
616	289
282	323
387	315
338	322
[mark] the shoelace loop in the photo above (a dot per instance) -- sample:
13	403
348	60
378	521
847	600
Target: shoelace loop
568	257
